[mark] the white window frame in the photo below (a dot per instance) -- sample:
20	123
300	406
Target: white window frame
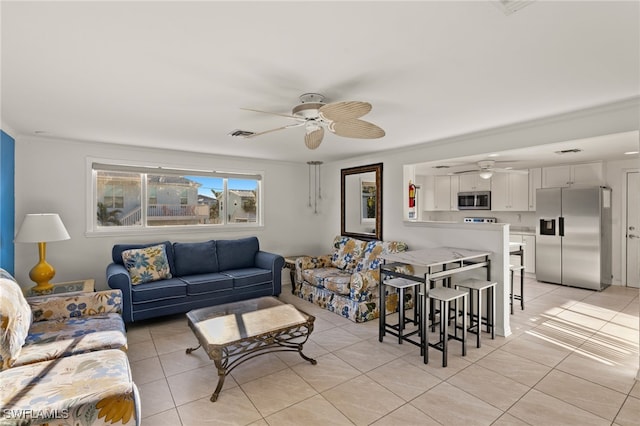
93	229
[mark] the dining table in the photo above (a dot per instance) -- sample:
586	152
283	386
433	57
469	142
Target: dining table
426	267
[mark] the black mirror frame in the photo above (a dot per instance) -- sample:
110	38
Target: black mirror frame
377	168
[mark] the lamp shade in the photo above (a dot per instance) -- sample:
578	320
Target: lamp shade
43	227
486	174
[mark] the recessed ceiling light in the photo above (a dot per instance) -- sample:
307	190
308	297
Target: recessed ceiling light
493	155
631	152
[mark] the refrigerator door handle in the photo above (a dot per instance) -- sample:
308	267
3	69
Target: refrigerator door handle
561	226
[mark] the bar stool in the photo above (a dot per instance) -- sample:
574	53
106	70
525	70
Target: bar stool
513	296
445	296
476	319
401	284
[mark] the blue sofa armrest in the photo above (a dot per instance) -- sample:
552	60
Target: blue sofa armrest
275	263
118	277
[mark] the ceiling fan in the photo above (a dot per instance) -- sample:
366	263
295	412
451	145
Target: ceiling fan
341	118
486	169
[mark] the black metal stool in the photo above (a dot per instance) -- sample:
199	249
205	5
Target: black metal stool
520	296
445	296
476	320
400	284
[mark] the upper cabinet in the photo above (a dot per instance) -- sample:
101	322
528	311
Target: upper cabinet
572	174
509	192
440	193
473	182
535	183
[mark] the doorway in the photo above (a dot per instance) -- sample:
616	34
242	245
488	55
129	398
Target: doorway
632	229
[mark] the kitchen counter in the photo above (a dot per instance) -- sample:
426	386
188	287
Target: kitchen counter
522	230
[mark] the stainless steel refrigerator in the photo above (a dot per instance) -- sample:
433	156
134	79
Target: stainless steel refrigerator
573	236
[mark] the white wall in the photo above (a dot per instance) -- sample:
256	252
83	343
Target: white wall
52	176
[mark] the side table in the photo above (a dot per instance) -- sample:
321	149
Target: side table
290	263
65	287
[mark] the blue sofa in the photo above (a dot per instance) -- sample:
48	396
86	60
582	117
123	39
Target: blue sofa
202	274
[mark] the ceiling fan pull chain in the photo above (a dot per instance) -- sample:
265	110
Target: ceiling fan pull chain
319	184
309	165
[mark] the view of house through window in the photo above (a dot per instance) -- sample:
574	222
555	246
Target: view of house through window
174	198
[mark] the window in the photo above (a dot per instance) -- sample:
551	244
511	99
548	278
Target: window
173	197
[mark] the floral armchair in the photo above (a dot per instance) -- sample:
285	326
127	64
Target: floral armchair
63	359
347	281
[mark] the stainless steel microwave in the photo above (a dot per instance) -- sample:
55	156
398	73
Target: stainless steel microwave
476	200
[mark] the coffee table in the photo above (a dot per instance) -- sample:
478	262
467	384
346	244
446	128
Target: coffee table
237	332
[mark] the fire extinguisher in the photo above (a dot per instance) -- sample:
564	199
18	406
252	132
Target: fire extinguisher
412	195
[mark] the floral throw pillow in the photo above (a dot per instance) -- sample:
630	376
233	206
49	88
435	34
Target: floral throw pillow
146	264
347	253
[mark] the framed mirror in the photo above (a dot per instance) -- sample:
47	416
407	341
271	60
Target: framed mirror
361	202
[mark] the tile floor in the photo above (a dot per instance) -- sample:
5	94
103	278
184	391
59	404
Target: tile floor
572	360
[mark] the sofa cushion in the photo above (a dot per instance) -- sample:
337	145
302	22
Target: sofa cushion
60	338
373	249
146	264
333	279
158	290
237	254
195	258
347	252
15	320
116	252
90	388
248	277
207	283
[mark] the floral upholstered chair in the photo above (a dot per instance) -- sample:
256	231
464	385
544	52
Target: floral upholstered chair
347	281
63	359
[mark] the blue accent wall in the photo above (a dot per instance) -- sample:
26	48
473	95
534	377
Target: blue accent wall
7	201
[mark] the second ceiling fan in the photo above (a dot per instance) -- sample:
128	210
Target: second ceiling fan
341	118
486	169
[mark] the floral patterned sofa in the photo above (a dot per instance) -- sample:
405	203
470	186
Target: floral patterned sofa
63	359
347	281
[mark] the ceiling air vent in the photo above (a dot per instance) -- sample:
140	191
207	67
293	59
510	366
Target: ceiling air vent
568	151
441	167
241	133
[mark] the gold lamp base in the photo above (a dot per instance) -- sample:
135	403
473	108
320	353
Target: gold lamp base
42	273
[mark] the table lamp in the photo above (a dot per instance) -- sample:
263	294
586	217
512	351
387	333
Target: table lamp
42	228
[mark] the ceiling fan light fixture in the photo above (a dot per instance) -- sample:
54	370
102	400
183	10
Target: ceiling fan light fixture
485	174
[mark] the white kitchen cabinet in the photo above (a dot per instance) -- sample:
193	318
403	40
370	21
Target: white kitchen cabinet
572	174
438	193
535	183
529	251
455	188
509	192
473	182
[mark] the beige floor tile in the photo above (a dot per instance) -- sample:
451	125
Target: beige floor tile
583	324
155	398
596	367
260	422
407	415
365	355
508	420
138	333
166	418
362	400
141	350
635	391
489	386
589	396
630	413
315	411
177	342
310	349
364	330
629	320
334	339
328	373
537	408
196	384
257	367
539	347
452	406
404	379
169	326
146	370
277	391
455	363
515	367
179	361
233	407
596	312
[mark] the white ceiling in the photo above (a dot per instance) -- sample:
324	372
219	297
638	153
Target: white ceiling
175	74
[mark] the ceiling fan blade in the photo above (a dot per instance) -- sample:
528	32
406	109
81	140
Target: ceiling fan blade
466	172
272	113
342	111
355	128
274	130
313	139
515	172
